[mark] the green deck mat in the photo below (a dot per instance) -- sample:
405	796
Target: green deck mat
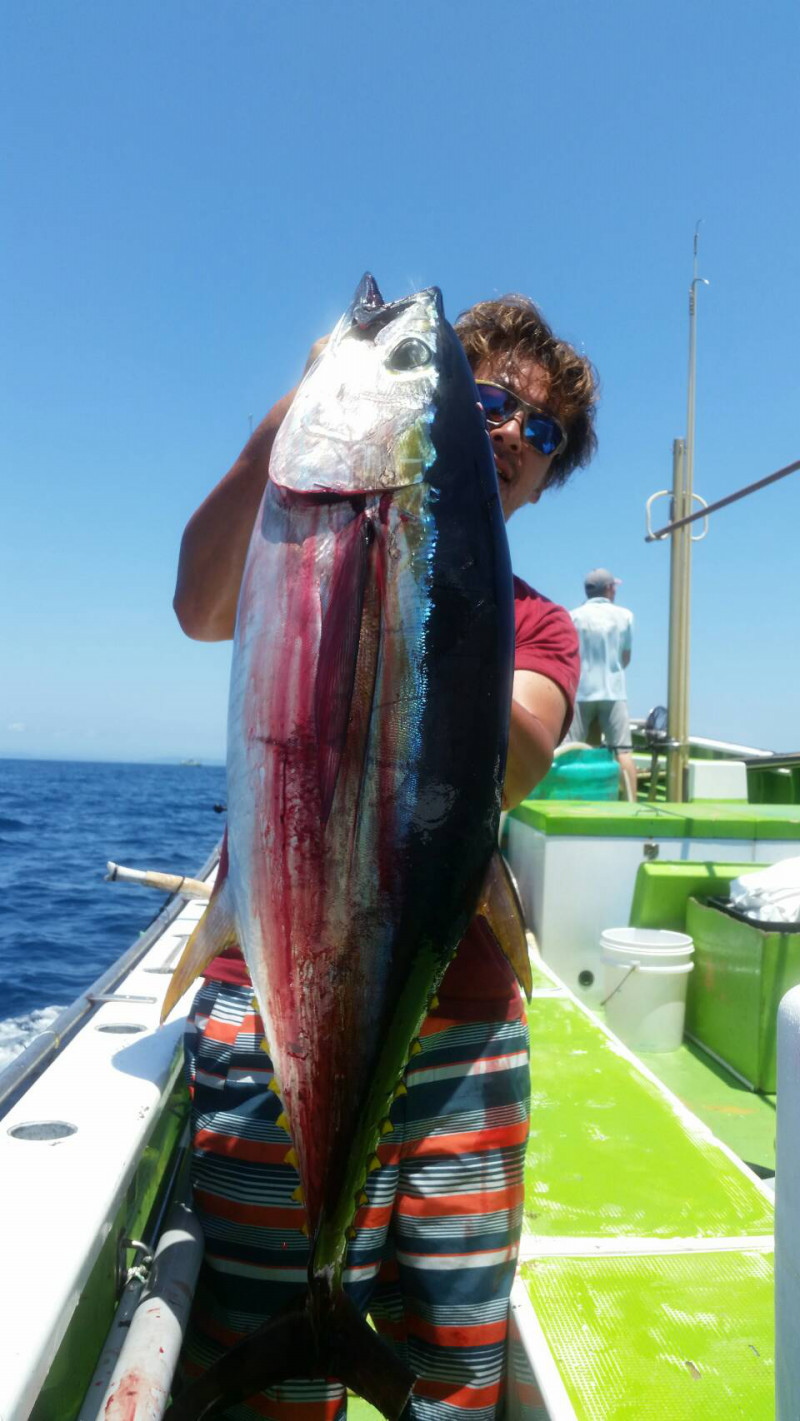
743	1118
608	1154
682	1337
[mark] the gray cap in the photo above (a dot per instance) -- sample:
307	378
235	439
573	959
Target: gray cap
598	580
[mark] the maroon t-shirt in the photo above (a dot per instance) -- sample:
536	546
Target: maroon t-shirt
479	983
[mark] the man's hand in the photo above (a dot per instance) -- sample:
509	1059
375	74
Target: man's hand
315	352
217	536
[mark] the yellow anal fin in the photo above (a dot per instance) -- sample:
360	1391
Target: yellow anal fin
214	932
501	911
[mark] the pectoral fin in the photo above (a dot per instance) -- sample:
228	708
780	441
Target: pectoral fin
501	910
214	932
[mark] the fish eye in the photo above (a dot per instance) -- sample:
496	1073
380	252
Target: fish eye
410	354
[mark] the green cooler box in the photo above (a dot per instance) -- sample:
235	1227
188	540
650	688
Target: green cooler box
741	971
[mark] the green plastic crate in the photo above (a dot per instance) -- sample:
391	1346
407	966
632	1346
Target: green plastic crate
741	971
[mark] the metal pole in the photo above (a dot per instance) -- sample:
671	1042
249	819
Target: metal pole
677	687
142	1351
685	535
681	572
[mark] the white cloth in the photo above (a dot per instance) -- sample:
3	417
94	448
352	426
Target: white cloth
769	895
605	632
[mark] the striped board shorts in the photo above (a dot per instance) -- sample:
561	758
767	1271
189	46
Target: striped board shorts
436	1245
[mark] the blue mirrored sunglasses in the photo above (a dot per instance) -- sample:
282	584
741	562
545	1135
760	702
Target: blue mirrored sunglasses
542	431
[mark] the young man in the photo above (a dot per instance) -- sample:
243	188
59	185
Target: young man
451	1176
605	633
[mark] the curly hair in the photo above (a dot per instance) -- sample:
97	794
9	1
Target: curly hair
514	328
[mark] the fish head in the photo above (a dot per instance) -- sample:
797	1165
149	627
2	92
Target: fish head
361	419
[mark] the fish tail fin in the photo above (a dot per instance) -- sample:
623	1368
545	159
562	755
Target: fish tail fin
501	911
214	932
294	1344
367	1365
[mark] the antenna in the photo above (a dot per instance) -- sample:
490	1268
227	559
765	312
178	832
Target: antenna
689	450
680	568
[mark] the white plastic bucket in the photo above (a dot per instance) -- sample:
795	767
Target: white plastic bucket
646	974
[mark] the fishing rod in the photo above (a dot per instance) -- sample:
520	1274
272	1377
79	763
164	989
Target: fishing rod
722	502
166	882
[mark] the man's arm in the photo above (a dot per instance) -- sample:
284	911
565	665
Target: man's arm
538	711
627	640
217	536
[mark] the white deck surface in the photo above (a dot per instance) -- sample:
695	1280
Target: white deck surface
60	1196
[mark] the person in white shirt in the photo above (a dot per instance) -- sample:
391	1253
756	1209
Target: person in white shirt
605	633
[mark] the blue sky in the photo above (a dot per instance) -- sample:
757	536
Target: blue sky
192	190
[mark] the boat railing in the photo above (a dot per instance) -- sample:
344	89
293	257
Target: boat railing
702	748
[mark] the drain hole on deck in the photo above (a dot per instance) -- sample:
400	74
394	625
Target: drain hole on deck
585	979
121	1028
43	1130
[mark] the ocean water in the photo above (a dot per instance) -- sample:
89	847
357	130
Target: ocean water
61	925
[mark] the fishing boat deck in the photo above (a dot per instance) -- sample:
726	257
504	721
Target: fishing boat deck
645	1284
744	1119
645	1279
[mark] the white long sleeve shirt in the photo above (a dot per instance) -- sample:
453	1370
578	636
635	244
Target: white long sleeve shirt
605	632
